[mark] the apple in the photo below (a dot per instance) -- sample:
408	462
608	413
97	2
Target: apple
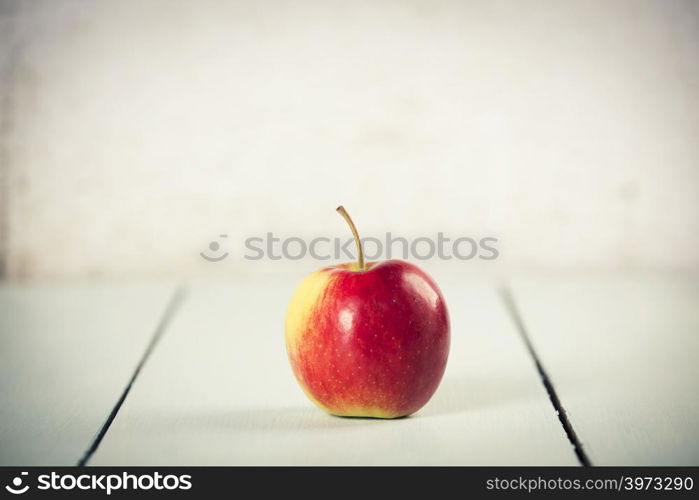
368	339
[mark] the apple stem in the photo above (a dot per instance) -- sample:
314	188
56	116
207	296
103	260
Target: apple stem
360	260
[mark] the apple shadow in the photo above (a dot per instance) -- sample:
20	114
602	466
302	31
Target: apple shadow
463	394
260	419
375	419
454	395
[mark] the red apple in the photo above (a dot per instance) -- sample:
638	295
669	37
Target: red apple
368	340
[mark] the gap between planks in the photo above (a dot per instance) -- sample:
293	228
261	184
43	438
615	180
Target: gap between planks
169	313
516	317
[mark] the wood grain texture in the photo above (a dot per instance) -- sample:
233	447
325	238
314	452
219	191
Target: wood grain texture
66	355
219	390
622	355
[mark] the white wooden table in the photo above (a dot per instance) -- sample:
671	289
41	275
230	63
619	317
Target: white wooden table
149	375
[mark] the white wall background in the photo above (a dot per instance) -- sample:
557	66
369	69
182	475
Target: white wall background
134	132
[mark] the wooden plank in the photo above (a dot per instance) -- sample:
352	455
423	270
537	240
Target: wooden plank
66	355
623	356
219	390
